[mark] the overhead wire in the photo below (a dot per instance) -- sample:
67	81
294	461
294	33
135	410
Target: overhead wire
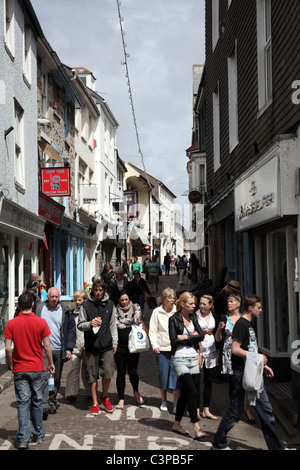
125	63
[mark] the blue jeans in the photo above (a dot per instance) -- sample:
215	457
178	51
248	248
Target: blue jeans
29	389
235	410
166	374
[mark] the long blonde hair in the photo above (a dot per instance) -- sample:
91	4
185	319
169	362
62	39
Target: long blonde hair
184	298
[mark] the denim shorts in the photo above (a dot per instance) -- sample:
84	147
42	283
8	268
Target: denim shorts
186	365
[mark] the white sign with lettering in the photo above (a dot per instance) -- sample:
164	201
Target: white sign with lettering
256	198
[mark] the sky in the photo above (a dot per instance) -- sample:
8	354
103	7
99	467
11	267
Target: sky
164	38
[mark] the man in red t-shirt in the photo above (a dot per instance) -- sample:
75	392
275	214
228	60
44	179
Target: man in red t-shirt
25	337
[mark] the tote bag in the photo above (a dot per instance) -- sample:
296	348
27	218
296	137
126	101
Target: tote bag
138	340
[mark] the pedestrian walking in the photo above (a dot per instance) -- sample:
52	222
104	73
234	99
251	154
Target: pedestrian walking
107	275
161	345
128	314
138	289
181	267
193	266
78	354
97	319
153	269
208	325
220	298
223	336
167	263
62	339
145	267
25	336
185	335
117	284
244	346
31	289
136	266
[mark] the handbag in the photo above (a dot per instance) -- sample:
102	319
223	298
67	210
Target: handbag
138	340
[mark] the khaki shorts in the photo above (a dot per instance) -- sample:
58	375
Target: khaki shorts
99	365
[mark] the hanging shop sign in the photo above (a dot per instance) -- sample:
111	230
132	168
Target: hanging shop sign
51	210
194	197
89	194
55	181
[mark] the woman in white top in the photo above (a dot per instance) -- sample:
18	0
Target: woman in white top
161	345
208	325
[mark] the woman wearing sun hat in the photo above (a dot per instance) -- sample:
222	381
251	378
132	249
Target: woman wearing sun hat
220	298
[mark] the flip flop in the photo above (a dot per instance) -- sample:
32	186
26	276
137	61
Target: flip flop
140	400
181	432
120	407
209	416
200	436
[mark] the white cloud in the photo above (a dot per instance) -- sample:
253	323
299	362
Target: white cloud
164	39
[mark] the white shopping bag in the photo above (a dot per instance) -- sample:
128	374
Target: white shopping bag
138	340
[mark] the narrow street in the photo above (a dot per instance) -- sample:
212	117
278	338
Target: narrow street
135	428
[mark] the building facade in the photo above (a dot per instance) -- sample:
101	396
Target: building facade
21	228
253	152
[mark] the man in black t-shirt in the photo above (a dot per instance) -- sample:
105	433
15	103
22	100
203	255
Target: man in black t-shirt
243	341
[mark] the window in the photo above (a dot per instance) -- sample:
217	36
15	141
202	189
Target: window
264	53
91	130
106	194
233	99
9	26
44	91
19	145
84	124
215	22
81	177
27	51
216	128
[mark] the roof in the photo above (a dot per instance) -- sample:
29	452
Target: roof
153	180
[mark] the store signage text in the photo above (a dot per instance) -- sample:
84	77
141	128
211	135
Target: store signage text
55	181
256	205
23	221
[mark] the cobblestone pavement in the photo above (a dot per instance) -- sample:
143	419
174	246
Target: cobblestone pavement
135	428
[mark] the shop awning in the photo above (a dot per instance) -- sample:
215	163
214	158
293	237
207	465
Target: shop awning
137	232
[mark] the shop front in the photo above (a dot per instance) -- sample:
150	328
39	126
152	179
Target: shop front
267	220
68	261
20	233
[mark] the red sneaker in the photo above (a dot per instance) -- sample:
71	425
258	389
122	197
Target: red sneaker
95	410
107	404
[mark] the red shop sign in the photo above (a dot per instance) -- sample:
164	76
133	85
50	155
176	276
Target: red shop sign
55	181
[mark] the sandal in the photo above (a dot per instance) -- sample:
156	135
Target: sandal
181	431
200	436
209	416
119	407
139	400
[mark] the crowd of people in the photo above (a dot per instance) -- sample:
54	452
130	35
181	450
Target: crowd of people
188	335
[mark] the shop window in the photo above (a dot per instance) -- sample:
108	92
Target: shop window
63	264
281	301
